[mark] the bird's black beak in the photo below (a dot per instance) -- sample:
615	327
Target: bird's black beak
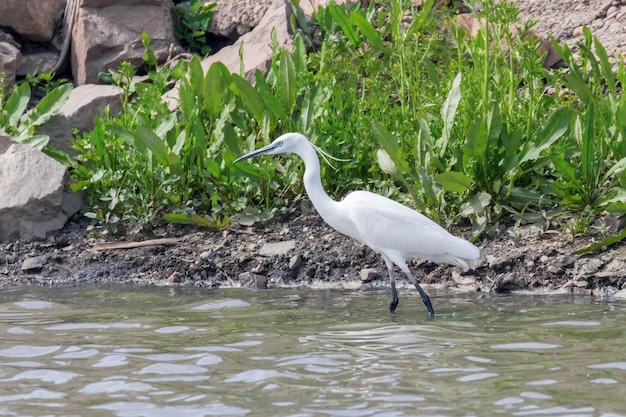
255	153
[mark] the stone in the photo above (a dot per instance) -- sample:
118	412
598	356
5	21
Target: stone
587	267
37	62
252	280
254	48
36	199
277	248
463	279
10	58
368	274
32	19
232	19
295	262
84	103
34	264
108	32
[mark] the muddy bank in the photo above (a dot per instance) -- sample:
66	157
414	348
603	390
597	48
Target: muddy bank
304	252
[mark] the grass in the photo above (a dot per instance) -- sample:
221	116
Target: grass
468	130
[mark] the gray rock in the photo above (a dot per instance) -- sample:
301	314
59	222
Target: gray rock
32	19
277	248
37	62
252	280
234	18
34	264
84	103
108	32
10	57
368	274
35	197
295	262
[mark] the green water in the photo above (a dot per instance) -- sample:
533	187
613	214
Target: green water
179	352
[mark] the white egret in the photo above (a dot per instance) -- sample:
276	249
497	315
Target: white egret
395	231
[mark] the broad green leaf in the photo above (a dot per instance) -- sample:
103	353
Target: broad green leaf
159	149
368	30
180	142
166	124
605	65
587	155
231	139
249	96
579	86
271	102
196	138
124	134
299	55
453	181
617	169
567	170
35	141
448	112
182	218
214	85
476	205
476	143
15	107
389	143
607	241
312	108
249	218
287	81
555	127
49	105
340	16
196	75
495	126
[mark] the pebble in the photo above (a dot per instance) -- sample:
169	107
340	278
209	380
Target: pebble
34	264
295	262
368	274
463	279
251	280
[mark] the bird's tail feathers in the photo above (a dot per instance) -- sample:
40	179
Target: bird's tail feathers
464	255
465	263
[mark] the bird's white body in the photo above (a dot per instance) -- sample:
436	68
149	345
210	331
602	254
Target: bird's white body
395	231
389	227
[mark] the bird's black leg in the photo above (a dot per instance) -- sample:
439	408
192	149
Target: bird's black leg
394	297
392	280
425	299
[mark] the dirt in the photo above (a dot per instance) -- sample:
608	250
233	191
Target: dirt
302	251
565	19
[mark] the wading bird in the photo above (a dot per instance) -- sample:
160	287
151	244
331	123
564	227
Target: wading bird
389	228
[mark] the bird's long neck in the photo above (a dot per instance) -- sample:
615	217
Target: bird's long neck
324	205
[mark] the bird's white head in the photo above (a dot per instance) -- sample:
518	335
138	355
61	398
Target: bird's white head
289	142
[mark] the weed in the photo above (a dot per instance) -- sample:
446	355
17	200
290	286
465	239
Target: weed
194	19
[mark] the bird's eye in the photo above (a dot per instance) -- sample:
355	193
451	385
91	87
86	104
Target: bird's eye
279	143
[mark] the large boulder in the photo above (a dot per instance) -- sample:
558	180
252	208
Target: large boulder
232	19
78	113
32	19
35	199
10	57
108	32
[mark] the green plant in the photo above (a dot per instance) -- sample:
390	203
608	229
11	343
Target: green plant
44	82
20	123
194	19
591	168
150	162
